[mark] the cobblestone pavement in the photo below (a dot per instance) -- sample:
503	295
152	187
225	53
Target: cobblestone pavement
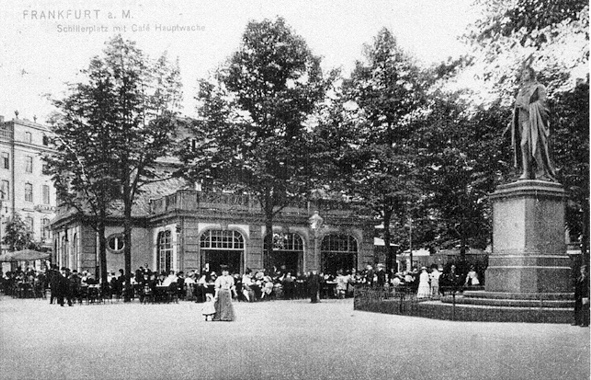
275	340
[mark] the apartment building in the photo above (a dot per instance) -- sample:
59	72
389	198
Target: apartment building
24	190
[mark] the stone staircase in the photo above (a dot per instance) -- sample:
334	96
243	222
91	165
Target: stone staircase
503	307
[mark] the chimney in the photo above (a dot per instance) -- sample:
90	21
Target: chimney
1	119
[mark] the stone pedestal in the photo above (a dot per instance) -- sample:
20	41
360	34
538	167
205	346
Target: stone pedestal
529	253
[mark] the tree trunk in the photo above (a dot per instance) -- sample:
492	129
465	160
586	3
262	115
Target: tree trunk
585	235
102	250
387	238
127	227
268	239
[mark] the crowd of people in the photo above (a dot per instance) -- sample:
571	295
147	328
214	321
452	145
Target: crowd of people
69	286
217	292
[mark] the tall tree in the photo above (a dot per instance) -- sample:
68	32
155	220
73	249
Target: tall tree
461	161
252	119
385	94
571	151
146	102
82	167
114	128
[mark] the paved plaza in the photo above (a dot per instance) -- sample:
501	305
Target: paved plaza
275	340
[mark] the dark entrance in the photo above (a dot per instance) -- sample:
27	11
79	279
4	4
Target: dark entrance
338	252
222	248
288	252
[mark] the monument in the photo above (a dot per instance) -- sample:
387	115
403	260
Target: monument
528	278
529	252
529	266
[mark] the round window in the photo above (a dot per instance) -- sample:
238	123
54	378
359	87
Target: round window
115	243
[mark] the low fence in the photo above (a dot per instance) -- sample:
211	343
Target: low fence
454	306
399	300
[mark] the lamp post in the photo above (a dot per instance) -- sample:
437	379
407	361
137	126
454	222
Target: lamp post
410	243
315	222
1	204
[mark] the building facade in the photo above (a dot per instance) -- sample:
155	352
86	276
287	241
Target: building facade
194	230
24	189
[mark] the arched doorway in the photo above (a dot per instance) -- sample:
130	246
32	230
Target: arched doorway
222	248
288	252
338	252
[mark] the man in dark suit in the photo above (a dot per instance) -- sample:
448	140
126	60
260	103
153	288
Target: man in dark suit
313	286
53	279
381	276
62	285
75	285
450	281
582	298
66	287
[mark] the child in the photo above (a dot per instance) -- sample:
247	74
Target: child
209	307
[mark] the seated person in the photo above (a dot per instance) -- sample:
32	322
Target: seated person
267	287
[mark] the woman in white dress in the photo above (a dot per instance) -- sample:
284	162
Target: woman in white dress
424	288
472	277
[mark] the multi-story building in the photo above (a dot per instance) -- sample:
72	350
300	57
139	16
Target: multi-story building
178	228
24	189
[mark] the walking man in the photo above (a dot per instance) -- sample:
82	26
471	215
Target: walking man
313	286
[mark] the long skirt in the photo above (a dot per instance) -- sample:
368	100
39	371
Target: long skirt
223	307
424	290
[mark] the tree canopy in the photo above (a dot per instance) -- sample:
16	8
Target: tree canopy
252	119
552	37
110	131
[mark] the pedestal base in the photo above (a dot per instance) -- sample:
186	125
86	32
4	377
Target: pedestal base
528	274
529	252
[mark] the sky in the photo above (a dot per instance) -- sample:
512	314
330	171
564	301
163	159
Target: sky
44	44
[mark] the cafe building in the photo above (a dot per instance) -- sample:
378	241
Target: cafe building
186	229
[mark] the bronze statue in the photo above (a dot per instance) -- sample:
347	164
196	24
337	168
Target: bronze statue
530	129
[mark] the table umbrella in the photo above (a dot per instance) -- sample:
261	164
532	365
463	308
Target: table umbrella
29	255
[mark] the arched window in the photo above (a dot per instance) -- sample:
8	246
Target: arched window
288	252
164	251
219	247
217	239
338	252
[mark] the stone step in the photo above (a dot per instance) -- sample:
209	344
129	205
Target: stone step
519	296
487	313
497	302
467	312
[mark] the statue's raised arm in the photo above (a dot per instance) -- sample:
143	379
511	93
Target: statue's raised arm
530	129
